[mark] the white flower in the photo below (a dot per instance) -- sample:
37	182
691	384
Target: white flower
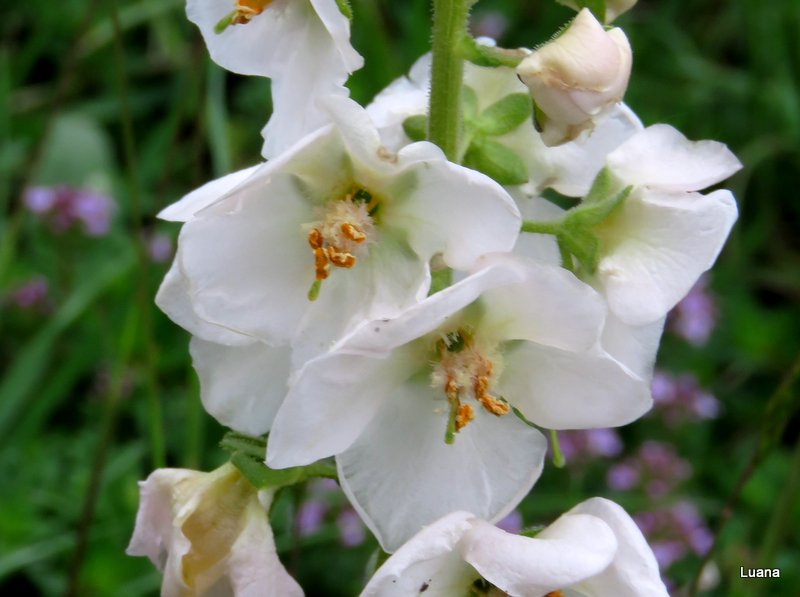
302	45
513	333
210	535
665	234
338	219
577	76
594	550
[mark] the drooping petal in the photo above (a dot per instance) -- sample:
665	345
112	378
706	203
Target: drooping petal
661	157
634	570
573	548
488	469
633	346
241	386
428	563
658	245
559	389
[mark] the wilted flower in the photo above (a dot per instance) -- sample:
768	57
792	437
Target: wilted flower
386	399
594	550
577	75
210	535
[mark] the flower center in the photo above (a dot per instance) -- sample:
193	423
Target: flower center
242	13
342	235
466	370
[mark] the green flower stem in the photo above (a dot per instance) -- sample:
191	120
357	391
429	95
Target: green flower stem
558	455
553	227
447	72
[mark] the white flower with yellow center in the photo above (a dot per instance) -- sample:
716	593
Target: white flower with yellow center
594	550
302	45
335	231
425	400
209	534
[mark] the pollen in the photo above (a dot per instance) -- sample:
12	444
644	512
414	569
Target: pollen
464	369
555	594
342	235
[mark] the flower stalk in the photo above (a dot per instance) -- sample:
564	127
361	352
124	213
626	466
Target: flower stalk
447	72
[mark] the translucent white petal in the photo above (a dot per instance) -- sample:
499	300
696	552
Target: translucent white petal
571	549
183	209
487	470
242	386
559	389
634	570
661	157
657	247
633	346
428	560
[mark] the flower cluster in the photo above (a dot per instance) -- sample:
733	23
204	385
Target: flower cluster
422	317
66	208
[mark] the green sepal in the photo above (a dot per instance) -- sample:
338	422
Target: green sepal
505	115
440	279
416	127
345	8
496	161
490	56
248	453
598	7
532	531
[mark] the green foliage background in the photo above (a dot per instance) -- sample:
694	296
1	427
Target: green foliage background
83	384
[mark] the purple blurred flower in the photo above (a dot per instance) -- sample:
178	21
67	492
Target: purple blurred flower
511	523
589	443
680	399
351	530
31	294
489	24
65	207
656	467
310	517
695	317
159	247
674	532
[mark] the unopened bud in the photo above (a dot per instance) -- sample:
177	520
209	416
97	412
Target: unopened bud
577	76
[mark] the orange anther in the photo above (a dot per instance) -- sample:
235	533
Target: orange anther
451	389
353	232
464	415
321	264
315	238
340	258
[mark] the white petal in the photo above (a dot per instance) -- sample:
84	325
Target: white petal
659	244
429	559
173	299
571	549
661	157
248	260
558	389
186	207
633	346
549	305
253	565
329	404
487	470
241	386
634	570
459	212
338	27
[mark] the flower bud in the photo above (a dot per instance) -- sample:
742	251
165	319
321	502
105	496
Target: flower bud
614	8
577	76
209	533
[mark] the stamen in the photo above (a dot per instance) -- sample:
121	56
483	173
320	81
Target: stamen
353	232
555	594
243	13
340	258
315	238
464	415
489	402
321	265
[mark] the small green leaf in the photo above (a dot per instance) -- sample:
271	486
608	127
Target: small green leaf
505	115
602	187
587	215
490	56
263	477
345	8
582	243
496	161
416	127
